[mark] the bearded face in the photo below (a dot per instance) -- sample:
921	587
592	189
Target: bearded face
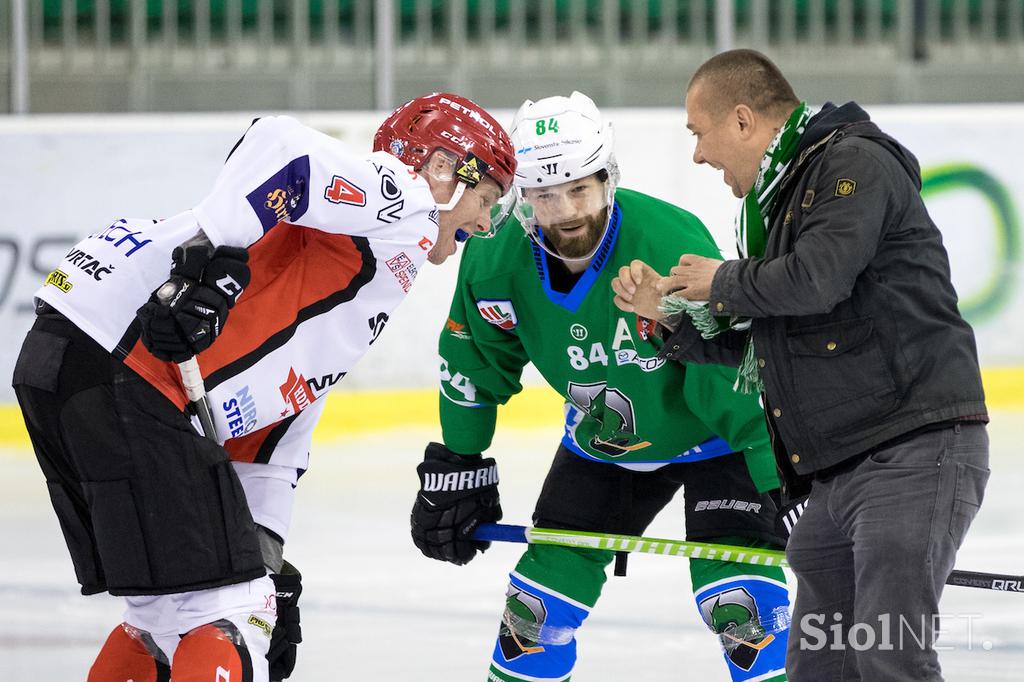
572	216
578	238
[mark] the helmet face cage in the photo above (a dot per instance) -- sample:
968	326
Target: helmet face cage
526	213
458	127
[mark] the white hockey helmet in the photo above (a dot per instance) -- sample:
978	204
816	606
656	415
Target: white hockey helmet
559	139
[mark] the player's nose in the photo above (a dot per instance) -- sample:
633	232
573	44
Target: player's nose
565	209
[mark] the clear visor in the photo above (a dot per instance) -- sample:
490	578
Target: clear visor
564	205
442	166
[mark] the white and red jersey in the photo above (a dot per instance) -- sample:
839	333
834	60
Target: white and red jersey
335	241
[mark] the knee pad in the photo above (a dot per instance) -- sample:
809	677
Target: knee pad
536	638
130	654
748	608
213	652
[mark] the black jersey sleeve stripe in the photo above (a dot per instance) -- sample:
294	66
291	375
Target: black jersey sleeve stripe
324	305
269	443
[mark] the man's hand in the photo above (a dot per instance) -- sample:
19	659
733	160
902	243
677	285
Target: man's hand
457	494
636	290
691	279
188	311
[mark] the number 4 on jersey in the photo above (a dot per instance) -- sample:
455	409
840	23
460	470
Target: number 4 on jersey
341	191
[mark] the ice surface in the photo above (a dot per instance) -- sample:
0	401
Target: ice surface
374	609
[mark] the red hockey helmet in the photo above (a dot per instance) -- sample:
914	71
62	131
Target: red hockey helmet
442	120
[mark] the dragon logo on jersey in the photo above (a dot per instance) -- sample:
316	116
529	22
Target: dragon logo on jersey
733	615
524	612
499	312
296	392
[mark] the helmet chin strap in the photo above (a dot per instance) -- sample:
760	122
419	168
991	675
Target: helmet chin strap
460	188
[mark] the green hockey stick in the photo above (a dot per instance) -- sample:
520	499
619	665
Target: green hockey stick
499	532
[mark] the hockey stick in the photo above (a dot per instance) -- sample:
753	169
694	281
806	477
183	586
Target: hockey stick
500	532
192	379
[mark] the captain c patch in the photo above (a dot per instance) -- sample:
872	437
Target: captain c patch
845	187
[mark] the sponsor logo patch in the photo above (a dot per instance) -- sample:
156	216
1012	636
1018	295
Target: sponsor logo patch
59	280
628	356
472	170
737	505
284	196
472	113
457	330
240	412
376	324
402	268
121	235
499	312
89	265
261	624
644	327
296	393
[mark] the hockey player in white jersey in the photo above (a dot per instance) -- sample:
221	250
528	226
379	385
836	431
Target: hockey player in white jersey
310	248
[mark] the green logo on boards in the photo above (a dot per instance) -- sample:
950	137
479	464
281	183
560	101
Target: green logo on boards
986	302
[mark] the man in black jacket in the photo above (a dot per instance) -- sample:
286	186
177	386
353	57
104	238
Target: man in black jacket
841	311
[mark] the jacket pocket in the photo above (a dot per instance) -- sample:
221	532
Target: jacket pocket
840	375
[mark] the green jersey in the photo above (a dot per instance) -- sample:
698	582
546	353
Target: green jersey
623	404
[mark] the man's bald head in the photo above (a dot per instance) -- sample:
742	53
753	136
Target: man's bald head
744	77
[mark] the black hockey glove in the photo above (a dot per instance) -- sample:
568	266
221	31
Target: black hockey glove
287	633
187	312
457	493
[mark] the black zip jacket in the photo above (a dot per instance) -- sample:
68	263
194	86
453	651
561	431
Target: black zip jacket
856	328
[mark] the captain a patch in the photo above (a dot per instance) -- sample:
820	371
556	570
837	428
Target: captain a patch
845	187
499	312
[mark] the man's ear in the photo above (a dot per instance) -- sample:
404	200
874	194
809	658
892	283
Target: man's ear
744	120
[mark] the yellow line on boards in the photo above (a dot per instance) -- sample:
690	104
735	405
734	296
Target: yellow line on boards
351	412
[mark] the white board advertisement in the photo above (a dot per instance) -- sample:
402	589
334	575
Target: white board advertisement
67	176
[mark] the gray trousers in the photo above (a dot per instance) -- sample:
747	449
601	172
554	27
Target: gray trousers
871	555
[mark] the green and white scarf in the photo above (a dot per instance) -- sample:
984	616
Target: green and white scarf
751	229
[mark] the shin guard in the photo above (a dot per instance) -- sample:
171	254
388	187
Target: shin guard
747	606
130	654
549	596
213	652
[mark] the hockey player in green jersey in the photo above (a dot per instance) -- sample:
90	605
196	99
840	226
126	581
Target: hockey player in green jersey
636	428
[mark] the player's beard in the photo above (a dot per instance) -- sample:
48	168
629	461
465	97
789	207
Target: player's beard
583	244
